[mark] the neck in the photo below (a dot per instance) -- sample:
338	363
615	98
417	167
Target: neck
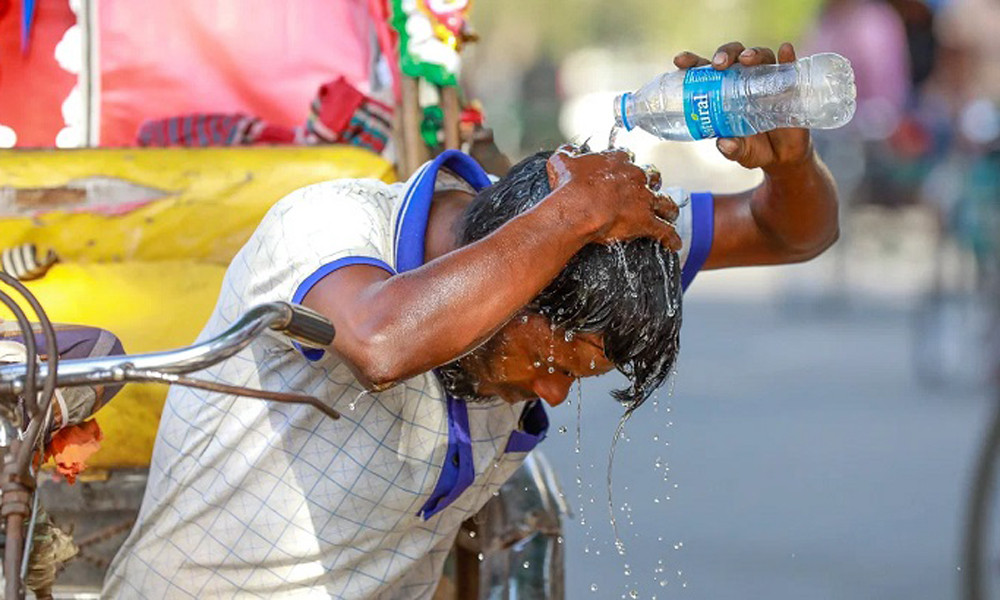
442	224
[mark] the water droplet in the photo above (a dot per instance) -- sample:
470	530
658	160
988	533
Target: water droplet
481	557
550	358
562	429
568	336
579	418
536	364
472	534
656	500
633	594
526	564
354	403
613	136
619	545
593	364
593	587
524	318
663	583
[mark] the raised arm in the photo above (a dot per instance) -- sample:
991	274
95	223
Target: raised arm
391	328
792	215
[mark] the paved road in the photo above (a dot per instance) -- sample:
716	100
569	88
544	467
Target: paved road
805	462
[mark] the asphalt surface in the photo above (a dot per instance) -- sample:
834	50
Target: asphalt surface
806	461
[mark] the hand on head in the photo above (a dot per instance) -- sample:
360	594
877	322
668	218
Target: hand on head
622	198
773	149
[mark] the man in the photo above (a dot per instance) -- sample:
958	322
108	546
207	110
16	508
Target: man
457	305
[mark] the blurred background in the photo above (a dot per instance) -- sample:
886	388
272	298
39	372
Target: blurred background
820	436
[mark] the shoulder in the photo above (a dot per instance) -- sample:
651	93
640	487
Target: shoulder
339	195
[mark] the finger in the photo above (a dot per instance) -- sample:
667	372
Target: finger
749	152
654	180
791	144
557	167
621	154
726	55
632	172
786	53
687	60
665	208
734	149
757	55
566	150
667	235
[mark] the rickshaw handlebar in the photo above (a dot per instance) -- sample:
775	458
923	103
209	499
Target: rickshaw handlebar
295	321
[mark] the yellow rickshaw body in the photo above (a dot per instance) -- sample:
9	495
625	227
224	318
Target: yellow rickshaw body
144	237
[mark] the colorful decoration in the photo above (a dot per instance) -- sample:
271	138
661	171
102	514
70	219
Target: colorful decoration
449	19
431	34
432	125
72	446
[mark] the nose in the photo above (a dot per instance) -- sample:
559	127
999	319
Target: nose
552	387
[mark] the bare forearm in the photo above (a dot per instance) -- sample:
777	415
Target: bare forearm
797	207
790	217
416	321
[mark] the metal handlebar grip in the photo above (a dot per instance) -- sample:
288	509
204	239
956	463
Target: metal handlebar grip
306	325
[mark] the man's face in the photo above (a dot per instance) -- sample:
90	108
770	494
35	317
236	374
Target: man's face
528	359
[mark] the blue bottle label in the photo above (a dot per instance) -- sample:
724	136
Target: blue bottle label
703	102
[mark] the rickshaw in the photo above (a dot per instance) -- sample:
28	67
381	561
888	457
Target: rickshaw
143	235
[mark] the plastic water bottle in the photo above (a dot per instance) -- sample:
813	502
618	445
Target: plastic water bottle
816	92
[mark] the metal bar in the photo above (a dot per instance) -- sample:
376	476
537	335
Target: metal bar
29	370
88	371
284	397
52	362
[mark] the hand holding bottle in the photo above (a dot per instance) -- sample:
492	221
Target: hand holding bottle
770	150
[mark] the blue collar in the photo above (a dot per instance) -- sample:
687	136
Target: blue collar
411	223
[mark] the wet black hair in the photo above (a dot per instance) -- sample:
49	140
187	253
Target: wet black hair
629	293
